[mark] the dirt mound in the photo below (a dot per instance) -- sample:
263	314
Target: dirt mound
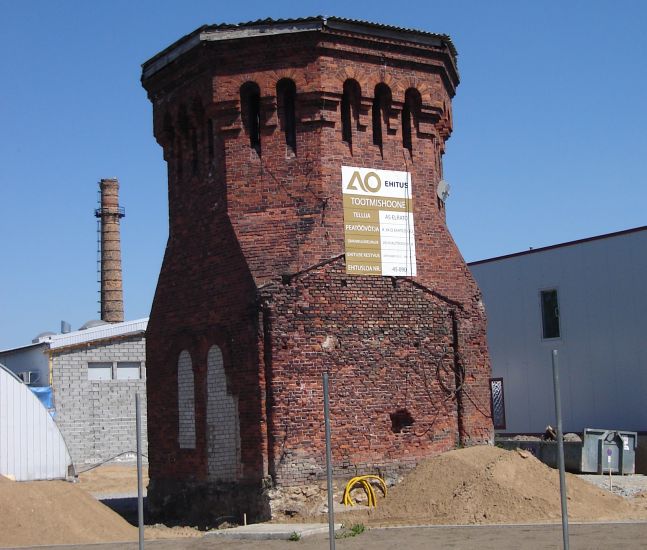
56	512
491	485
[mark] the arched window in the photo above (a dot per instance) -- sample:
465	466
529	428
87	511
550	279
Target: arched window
185	401
286	95
250	101
381	106
349	109
223	425
410	113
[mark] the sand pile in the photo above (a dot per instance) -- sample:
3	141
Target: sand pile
491	485
56	512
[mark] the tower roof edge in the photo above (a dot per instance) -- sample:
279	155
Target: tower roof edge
267	27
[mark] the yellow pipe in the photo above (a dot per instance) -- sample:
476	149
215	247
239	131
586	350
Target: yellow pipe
365	482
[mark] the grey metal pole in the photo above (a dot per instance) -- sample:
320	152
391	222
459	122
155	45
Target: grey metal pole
560	450
331	511
140	484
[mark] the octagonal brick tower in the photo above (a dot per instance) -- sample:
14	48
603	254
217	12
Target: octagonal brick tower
306	235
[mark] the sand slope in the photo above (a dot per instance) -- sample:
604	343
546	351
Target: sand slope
56	512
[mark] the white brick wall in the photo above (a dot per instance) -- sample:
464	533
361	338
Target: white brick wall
223	427
185	401
97	418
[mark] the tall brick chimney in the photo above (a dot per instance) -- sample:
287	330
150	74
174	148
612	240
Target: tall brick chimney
109	214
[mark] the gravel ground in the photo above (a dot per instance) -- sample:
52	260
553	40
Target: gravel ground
626	486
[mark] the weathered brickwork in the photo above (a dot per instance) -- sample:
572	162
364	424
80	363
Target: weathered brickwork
97	417
388	346
255	265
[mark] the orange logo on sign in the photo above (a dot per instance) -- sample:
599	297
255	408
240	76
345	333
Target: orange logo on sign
370	183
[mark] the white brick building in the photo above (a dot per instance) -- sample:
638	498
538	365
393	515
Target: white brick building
94	375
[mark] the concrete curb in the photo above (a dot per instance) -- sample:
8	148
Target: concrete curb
272	531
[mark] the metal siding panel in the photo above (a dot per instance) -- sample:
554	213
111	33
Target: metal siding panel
3	424
50	466
14	448
602	287
41	444
34	429
31	446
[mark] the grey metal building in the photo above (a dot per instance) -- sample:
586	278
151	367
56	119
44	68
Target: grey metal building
94	374
588	300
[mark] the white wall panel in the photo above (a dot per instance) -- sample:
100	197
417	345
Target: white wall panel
31	445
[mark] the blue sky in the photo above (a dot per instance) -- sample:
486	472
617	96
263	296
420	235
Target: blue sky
549	142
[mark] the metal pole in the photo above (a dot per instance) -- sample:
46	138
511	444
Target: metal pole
560	450
140	484
331	511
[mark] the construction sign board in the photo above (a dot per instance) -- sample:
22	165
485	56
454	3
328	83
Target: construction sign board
378	222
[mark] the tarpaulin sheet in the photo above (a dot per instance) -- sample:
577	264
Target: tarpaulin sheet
44	394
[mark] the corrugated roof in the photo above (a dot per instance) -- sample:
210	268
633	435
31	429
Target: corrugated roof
96	333
101	332
261	26
325	20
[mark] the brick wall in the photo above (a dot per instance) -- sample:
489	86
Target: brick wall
254	265
97	418
389	347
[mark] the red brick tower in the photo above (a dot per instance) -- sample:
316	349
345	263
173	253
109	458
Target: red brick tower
306	235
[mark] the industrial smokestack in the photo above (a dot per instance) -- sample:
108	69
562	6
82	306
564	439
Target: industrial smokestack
110	214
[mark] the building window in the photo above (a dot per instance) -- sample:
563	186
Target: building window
406	127
380	112
185	401
550	314
349	109
497	403
100	371
250	100
286	92
410	114
128	370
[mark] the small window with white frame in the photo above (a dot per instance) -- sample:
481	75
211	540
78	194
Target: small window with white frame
129	370
550	314
99	370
